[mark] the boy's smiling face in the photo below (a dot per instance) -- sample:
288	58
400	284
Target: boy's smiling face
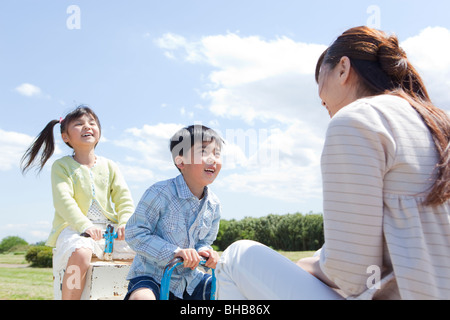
200	166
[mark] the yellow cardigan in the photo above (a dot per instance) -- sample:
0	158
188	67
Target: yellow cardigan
75	187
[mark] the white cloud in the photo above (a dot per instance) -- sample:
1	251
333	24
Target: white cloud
242	60
279	163
290	183
258	79
183	112
431	42
151	146
272	81
136	173
171	42
32	232
428	52
29	90
254	79
12	145
159	131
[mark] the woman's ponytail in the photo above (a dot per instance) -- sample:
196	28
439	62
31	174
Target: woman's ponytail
45	141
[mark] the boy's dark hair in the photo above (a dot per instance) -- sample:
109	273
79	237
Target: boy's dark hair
183	140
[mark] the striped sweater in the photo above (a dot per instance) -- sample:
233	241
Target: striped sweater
378	163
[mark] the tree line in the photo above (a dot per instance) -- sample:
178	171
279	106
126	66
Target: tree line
289	232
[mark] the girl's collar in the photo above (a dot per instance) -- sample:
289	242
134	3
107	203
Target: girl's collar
97	158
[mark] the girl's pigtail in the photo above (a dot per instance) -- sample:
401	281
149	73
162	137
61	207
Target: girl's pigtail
45	141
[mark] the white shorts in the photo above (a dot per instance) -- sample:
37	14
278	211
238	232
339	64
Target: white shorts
70	240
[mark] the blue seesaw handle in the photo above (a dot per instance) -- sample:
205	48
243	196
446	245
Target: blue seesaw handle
165	282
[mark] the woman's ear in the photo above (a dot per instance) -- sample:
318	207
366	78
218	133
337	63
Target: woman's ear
344	69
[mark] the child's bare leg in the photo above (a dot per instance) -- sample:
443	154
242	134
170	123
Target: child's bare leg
75	275
142	294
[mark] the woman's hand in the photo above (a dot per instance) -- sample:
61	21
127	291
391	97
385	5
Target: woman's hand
312	265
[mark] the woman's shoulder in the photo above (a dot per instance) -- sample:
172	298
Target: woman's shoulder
384	99
382	109
386	105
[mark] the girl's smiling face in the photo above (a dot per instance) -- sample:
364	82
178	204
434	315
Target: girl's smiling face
82	132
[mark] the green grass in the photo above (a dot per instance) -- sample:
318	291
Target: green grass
13	258
296	255
26	283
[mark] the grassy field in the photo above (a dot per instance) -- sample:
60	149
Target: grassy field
296	255
18	281
26	284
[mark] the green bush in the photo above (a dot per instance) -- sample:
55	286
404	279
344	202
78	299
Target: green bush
39	256
19	249
10	242
290	232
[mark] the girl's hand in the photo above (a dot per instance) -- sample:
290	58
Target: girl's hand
121	233
211	256
95	233
190	257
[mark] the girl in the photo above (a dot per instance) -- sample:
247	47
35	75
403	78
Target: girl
82	185
386	188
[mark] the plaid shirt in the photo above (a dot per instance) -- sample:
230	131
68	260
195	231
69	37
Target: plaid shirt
168	218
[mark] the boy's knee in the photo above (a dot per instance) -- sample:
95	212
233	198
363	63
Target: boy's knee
142	294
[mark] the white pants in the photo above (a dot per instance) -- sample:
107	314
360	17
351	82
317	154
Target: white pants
250	270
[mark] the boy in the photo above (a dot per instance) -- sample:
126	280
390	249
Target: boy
178	218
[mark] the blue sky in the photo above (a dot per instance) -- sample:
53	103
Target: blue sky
244	68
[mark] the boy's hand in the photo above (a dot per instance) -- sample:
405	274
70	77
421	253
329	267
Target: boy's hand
190	257
211	256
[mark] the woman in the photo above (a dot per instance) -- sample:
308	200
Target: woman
386	188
